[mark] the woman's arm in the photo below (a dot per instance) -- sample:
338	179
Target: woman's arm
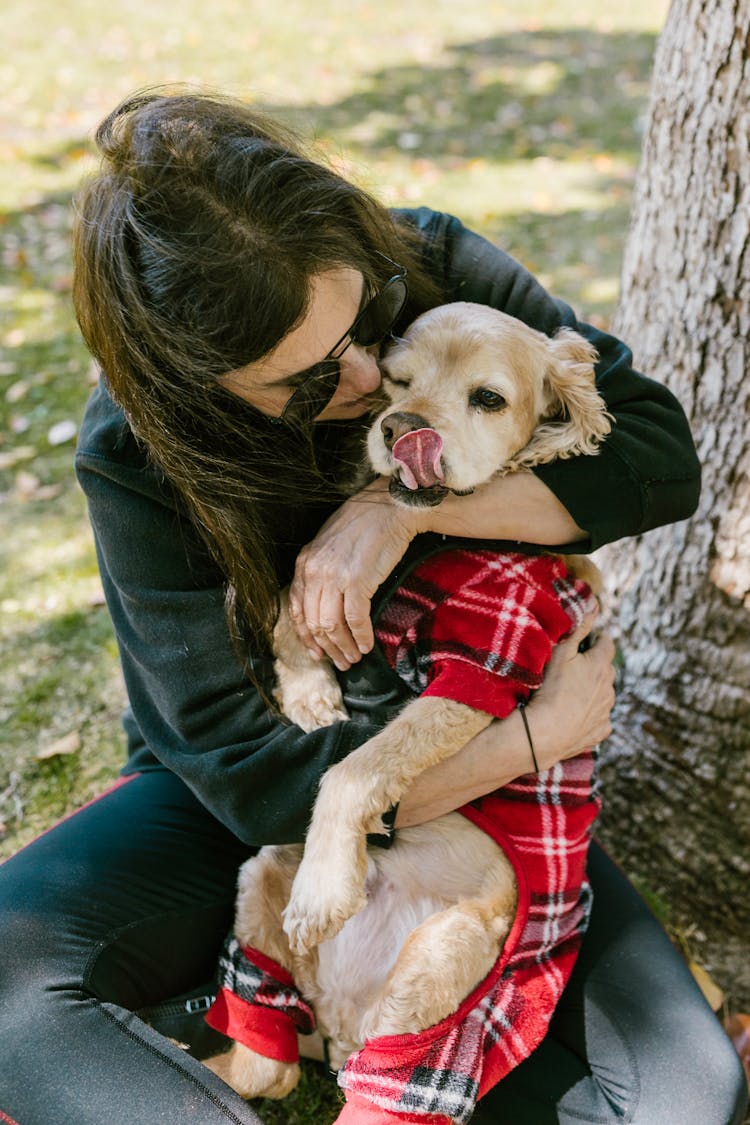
647	471
192	707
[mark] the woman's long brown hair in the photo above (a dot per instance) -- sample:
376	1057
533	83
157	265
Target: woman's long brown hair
194	249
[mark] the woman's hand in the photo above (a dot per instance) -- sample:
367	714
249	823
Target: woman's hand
571	710
569	713
337	573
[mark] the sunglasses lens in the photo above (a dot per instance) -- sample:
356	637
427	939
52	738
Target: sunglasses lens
371	327
381	314
312	397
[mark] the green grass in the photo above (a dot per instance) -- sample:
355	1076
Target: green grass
522	118
316	1101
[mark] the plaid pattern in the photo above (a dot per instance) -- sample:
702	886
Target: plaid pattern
478	627
258	1004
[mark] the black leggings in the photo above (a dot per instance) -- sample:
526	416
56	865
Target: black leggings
126	904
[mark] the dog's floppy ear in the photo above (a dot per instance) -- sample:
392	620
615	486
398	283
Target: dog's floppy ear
574	418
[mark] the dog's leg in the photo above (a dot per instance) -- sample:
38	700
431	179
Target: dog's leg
252	1075
354	794
306	690
263	890
443	959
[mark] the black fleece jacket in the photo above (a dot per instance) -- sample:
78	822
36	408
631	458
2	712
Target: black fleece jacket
191	708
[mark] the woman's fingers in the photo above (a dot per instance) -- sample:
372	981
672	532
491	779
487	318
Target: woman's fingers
357	614
297	614
331	629
321	613
313	616
338	572
583	629
572	708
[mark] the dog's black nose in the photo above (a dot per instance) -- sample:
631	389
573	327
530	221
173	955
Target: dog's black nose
399	423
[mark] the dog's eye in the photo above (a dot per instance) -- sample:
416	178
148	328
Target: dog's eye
486	399
392	379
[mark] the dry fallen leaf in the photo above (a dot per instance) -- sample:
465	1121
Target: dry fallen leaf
737	1028
13	456
26	484
68	744
62	432
16	391
708	986
48	491
29	487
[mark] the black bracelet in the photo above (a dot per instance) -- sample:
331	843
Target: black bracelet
522	709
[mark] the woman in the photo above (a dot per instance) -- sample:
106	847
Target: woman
235	293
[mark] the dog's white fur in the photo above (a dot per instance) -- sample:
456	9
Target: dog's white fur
391	941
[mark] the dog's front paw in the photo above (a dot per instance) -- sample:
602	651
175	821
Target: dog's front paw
319	906
313	711
311	698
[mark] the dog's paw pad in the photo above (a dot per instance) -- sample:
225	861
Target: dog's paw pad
314	711
311	701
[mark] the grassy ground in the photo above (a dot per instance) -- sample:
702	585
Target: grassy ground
523	118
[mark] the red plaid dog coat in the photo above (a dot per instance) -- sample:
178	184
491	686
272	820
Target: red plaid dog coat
478	627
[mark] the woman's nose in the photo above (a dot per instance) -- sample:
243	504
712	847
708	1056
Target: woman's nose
360	369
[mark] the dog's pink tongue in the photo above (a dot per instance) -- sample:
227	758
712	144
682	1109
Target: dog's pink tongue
417	455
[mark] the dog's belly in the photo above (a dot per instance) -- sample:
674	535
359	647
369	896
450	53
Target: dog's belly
428	868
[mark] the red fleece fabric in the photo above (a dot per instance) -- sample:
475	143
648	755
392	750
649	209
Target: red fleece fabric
543	823
258	1003
478	626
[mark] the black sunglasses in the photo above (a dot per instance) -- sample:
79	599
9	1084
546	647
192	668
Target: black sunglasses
371	327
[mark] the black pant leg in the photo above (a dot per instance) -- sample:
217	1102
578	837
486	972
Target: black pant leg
123	904
632	1040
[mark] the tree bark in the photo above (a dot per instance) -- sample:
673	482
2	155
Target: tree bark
677	769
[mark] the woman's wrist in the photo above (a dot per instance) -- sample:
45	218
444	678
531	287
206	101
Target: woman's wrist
518	506
494	757
414	520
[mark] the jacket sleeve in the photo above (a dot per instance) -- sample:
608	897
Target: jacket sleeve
647	471
191	707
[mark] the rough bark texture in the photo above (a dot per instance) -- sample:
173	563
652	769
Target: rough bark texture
677	770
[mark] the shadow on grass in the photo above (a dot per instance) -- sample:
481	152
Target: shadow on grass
577	254
60	680
560	93
555	92
59	669
316	1099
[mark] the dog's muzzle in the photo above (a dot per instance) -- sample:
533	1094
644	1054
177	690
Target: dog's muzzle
417	497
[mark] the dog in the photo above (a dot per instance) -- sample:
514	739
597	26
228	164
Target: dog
390	942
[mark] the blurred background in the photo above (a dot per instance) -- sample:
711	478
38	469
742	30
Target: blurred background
523	118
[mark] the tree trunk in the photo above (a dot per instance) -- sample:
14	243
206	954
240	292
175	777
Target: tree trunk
677	769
